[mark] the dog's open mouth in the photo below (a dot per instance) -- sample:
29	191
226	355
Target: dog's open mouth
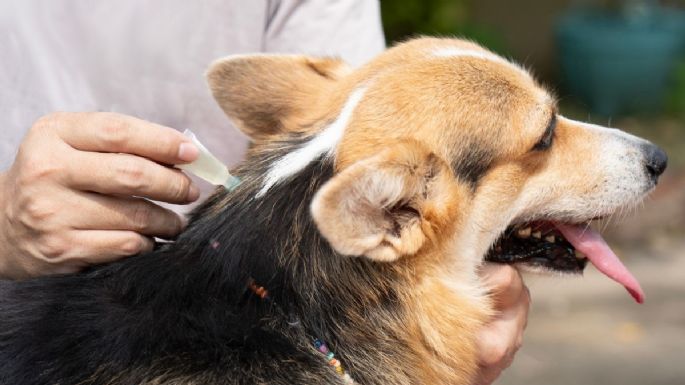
563	248
540	245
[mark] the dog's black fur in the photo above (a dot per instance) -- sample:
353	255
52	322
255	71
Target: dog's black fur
184	313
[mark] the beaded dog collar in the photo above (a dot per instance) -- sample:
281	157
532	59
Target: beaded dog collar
319	345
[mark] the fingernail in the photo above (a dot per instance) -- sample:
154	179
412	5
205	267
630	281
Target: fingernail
193	193
187	152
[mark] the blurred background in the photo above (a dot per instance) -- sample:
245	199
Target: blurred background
616	63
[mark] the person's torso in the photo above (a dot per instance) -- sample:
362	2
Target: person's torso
142	58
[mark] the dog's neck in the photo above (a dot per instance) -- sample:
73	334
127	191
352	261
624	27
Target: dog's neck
272	239
359	307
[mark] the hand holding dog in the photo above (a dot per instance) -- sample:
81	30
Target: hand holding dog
502	337
75	193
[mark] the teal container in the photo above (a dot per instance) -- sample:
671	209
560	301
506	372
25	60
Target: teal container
617	64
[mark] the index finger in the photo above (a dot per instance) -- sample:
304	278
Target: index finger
111	132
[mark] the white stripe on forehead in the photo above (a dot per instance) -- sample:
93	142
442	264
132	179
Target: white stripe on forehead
323	142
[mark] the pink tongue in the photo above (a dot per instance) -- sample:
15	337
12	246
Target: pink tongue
590	243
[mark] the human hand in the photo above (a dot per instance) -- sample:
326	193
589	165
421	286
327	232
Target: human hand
502	337
75	193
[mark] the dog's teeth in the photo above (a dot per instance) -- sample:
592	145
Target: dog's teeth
523	233
580	255
537	234
550	238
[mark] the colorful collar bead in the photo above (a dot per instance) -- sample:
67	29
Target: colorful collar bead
320	346
332	361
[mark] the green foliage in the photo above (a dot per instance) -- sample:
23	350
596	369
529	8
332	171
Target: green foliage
407	18
677	96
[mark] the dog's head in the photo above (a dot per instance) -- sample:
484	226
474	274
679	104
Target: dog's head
442	149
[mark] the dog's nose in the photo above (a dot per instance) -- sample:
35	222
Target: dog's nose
655	160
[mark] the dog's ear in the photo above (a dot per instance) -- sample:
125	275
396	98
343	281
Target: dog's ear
270	94
389	205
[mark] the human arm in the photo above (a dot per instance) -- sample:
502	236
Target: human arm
75	194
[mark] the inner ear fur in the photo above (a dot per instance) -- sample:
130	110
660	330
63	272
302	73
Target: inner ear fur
389	205
266	95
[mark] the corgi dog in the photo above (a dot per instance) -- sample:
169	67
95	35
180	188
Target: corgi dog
349	252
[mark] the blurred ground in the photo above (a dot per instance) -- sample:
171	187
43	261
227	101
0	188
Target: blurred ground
588	331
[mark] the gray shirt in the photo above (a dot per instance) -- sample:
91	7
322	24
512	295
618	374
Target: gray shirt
146	58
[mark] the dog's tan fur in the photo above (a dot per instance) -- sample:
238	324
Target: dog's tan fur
395	197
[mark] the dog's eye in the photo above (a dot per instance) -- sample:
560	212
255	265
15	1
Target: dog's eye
548	137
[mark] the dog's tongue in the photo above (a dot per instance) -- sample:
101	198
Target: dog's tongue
595	248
